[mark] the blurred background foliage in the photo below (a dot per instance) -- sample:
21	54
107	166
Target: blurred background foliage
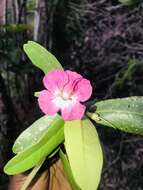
102	40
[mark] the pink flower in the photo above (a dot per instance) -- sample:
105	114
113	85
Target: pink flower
64	92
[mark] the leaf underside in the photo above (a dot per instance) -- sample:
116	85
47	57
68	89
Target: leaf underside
34	154
40	57
68	171
34	133
84	153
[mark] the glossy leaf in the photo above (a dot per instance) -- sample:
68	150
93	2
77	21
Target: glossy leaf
84	153
34	133
125	114
34	154
40	57
68	171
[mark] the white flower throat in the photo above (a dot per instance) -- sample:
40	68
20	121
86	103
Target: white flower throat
63	99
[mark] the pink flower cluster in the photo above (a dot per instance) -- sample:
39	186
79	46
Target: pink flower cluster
65	90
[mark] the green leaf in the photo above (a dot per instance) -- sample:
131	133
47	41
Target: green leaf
34	133
129	2
68	171
84	153
34	154
16	28
125	114
40	57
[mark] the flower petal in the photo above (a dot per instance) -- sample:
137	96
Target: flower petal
55	80
83	90
45	103
74	112
73	78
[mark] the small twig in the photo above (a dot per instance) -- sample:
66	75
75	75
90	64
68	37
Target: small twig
32	175
118	155
114	7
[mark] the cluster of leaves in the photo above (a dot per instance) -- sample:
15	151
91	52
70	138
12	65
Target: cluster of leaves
44	137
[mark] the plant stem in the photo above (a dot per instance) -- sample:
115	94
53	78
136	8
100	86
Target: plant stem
96	117
32	175
93	116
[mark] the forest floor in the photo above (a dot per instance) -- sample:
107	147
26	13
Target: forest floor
110	54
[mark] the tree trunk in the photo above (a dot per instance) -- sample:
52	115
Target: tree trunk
40	22
2	12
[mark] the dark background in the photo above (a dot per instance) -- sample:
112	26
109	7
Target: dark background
100	39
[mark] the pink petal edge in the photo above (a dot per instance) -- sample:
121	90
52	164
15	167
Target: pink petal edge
73	75
55	79
83	90
73	78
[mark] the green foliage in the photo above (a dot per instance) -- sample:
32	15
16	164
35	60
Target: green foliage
33	134
128	80
125	114
40	57
126	73
16	28
30	6
84	153
31	156
128	2
68	171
